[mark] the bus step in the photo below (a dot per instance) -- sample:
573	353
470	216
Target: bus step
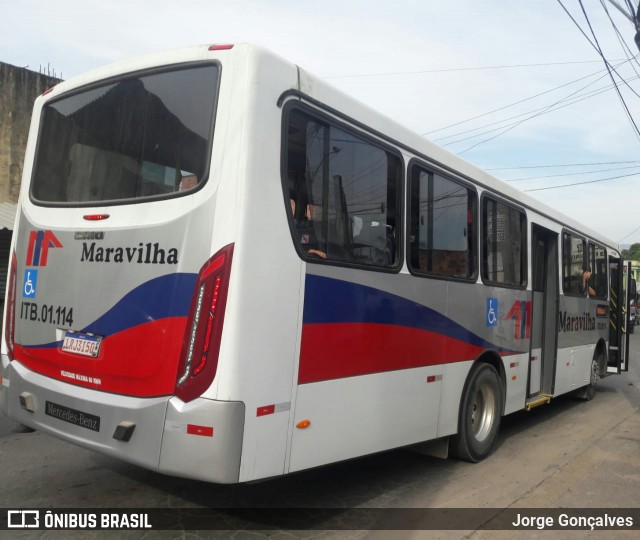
542	399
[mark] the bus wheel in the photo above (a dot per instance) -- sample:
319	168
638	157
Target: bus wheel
480	413
587	393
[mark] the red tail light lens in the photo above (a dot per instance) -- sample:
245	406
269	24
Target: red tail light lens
10	315
223	47
201	344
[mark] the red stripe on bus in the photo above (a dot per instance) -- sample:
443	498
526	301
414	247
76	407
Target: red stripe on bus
140	361
335	351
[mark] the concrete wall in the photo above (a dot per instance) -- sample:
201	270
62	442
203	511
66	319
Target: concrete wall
19	88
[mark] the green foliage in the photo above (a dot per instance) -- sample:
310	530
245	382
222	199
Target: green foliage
633	253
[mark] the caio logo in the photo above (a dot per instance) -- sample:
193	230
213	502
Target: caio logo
39	244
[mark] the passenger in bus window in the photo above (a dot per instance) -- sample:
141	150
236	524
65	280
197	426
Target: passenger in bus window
304	228
188	182
586	276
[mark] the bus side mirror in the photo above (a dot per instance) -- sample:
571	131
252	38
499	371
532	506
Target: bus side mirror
633	288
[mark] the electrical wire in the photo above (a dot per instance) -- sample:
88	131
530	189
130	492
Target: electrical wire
523	100
512	126
625	48
539	112
561	165
634	231
596	45
608	66
571	174
448	70
583	183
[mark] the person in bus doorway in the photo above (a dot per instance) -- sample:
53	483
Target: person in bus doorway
586	276
304	228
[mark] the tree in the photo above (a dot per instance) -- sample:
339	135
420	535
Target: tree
633	253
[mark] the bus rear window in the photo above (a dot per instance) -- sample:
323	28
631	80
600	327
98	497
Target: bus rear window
139	137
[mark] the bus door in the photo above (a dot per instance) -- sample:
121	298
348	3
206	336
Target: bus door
544	311
620	285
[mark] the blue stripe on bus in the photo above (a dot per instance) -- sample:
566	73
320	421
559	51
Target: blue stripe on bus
162	297
329	300
159	298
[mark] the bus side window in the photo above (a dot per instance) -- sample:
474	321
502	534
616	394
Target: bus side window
350	189
573	264
597	257
504	235
443	213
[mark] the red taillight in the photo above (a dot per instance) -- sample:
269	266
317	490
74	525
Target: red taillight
95	217
10	316
201	344
224	47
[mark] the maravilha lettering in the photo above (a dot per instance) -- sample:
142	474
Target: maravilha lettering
141	254
576	323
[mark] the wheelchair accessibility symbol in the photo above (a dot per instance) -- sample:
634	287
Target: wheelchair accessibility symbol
492	312
30	284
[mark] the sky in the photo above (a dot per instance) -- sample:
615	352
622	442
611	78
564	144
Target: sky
511	85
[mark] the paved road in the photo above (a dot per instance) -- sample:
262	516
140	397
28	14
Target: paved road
568	454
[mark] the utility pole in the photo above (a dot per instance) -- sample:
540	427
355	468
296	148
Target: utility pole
633	17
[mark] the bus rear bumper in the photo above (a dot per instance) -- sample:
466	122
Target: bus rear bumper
201	439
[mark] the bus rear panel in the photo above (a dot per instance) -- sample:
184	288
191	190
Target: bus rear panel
116	302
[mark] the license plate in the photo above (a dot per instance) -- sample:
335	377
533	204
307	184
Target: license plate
82	344
73	416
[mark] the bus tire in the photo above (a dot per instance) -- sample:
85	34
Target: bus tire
480	413
588	392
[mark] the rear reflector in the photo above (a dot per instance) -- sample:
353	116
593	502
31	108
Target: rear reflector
203	431
220	47
266	410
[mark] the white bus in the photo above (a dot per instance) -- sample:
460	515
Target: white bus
225	269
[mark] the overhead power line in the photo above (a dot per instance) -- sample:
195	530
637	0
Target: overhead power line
610	68
629	15
592	164
567	101
600	72
583	183
595	45
633	231
562	175
448	70
522	100
544	110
